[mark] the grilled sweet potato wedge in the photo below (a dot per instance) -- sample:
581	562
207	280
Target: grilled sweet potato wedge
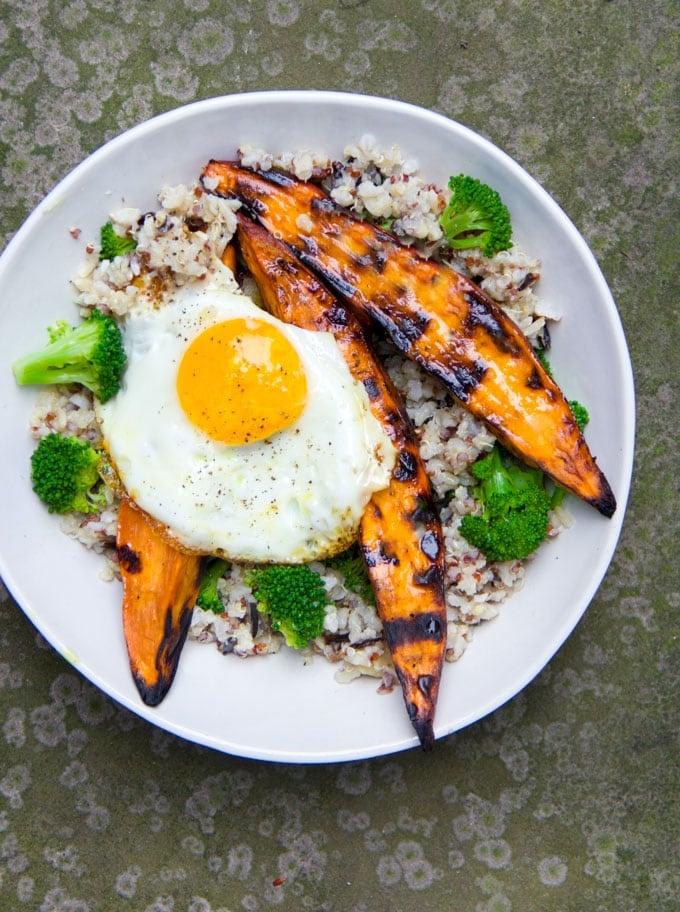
160	585
229	257
400	534
435	316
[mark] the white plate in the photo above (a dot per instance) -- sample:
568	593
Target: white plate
276	708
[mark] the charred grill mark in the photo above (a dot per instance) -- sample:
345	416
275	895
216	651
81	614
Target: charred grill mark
401	340
430	545
153	695
372	388
173	635
480	315
385	322
427	577
167	647
394	419
408	329
315	286
406	467
288	266
254	207
323	204
424	513
463	380
434	628
362	262
334	282
406	631
167	656
129	559
310	244
396	313
378	556
606	502
423	726
337	315
276	177
425	683
374	258
534	381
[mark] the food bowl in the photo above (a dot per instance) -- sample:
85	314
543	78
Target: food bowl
279	707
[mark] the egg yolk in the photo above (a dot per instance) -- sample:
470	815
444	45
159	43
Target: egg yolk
241	380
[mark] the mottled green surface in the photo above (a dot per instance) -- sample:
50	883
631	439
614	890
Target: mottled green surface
566	799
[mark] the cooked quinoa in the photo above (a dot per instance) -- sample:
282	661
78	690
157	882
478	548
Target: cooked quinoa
180	243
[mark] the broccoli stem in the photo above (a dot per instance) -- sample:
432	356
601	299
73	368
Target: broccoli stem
91	354
61	361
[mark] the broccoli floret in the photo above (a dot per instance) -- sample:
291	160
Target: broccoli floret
580	413
353	568
57	330
208	597
65	472
476	216
91	354
112	244
293	596
515	506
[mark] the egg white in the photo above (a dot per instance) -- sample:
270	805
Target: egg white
293	497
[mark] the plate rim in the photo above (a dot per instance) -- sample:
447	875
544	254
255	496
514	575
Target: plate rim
307	96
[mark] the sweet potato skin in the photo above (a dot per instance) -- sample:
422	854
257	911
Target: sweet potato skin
400	534
436	316
160	585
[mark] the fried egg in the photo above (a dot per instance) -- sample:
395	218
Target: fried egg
244	436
